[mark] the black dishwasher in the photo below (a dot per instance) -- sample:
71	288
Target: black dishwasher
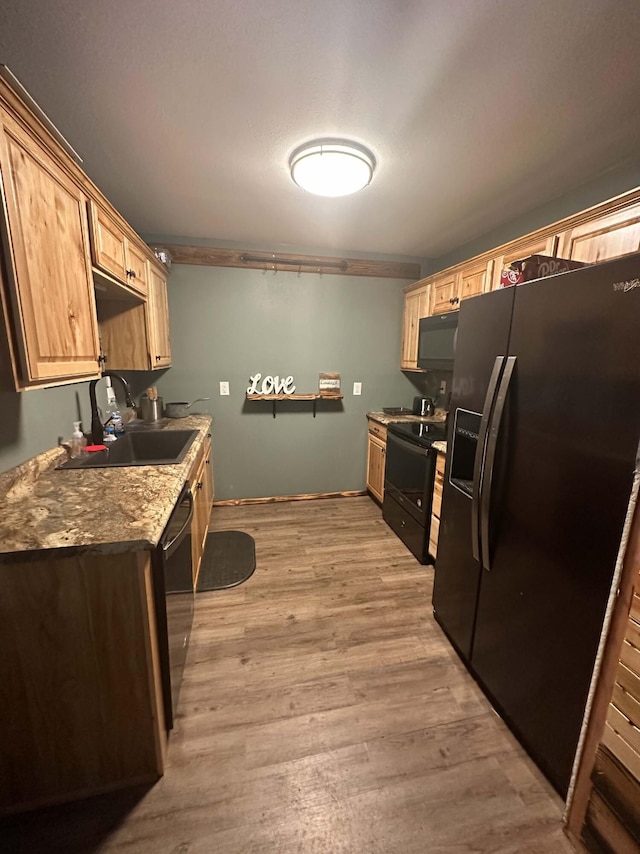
173	586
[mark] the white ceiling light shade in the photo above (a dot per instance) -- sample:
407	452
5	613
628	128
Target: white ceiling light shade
332	167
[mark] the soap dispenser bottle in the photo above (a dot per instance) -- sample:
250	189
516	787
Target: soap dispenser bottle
78	441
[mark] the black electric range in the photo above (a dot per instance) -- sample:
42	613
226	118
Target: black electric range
422	433
408	482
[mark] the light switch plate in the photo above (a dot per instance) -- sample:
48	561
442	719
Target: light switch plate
443	387
357	388
224	389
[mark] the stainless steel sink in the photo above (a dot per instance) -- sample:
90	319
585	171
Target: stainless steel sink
144	448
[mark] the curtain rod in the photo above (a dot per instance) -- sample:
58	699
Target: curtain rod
277	260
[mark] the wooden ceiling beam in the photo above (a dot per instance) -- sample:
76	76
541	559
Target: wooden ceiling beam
280	262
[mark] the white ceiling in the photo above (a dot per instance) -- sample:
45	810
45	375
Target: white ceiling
185	113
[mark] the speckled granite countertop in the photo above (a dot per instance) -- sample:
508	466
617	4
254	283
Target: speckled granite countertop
438	418
107	510
383	418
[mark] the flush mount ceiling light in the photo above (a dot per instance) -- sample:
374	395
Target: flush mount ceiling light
330	167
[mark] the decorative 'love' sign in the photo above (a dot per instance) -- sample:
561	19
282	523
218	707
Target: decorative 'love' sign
271	385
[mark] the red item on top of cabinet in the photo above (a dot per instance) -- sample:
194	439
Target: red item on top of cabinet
536	267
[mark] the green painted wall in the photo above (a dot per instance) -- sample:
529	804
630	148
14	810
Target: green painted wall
229	324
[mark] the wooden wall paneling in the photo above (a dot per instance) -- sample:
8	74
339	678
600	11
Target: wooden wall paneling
211	257
626	693
604	823
618	788
597	729
625	728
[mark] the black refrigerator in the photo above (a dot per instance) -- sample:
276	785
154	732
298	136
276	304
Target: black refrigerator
543	445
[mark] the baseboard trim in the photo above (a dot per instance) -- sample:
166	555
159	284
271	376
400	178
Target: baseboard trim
275	498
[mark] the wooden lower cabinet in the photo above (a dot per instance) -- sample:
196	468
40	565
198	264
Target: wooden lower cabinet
376	458
202	488
81	709
436	505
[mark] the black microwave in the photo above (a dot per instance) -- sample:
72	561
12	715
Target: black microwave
437	341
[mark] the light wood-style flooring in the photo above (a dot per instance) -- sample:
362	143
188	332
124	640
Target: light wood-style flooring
322	712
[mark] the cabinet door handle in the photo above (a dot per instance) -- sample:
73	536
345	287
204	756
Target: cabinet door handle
158	358
131	274
199	484
454	300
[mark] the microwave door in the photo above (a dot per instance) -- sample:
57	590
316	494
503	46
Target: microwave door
436	341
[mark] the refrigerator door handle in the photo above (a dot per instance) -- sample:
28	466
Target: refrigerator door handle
492	443
478	466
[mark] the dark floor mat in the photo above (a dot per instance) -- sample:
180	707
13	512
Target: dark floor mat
229	559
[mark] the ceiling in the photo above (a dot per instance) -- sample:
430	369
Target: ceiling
477	111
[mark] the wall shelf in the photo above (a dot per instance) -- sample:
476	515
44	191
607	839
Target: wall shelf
274	398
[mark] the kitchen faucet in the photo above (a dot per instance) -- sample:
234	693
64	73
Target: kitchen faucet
96	422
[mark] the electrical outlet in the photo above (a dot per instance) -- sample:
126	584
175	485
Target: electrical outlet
224	389
443	387
357	388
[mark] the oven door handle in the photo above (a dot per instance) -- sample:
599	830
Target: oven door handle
174	542
420	450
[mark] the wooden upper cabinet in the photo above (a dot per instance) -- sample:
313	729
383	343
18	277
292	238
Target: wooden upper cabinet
48	264
158	321
536	245
444	293
416	305
135	333
107	243
137	268
608	236
474	279
114	253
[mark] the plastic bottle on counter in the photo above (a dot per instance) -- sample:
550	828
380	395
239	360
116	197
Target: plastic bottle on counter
78	441
116	422
109	434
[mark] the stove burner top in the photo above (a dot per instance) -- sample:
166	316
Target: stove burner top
422	433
